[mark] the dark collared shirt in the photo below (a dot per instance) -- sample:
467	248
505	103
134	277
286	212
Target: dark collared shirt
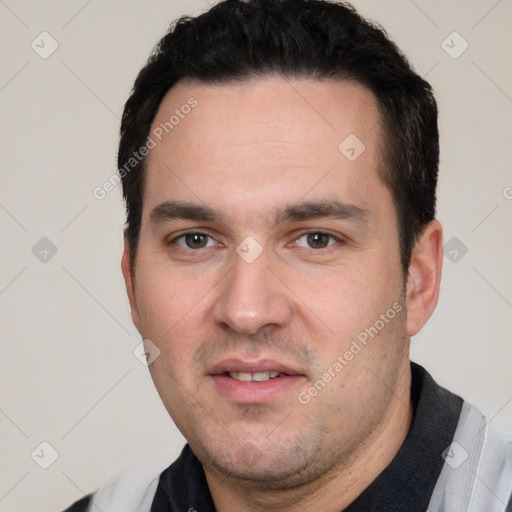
406	485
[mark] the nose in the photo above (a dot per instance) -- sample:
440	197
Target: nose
252	297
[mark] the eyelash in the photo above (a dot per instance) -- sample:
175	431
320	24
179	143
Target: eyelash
332	238
182	237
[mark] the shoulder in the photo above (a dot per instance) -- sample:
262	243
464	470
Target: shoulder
477	469
80	505
131	492
135	491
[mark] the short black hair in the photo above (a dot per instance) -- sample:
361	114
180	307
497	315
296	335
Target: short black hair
236	40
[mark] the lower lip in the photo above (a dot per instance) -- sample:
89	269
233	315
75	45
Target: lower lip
255	392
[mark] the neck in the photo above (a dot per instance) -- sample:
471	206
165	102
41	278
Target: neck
335	490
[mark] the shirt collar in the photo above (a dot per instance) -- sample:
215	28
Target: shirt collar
408	481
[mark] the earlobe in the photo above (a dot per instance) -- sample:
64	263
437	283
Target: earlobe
424	277
129	280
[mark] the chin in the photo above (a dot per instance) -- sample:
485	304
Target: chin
270	467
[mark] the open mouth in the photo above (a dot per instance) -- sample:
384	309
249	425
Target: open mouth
255	377
254	382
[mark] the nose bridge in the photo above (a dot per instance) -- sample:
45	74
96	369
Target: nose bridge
251	297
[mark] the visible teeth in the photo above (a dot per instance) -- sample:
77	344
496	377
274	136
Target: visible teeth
254	377
261	376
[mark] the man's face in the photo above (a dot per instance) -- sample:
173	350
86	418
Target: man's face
265	250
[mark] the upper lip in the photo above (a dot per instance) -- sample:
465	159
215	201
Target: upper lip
261	365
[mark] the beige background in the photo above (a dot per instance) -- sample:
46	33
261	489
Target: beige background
68	373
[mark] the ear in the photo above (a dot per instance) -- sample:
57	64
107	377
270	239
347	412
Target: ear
129	281
424	277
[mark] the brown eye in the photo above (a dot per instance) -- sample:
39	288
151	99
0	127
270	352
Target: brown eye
194	241
318	240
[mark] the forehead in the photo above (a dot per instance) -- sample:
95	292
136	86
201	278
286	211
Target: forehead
264	140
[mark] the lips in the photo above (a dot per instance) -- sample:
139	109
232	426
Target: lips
262	366
257	382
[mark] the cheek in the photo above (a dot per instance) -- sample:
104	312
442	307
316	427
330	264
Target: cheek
346	300
173	308
167	295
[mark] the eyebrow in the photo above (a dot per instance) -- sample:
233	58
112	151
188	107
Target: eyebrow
310	210
319	209
172	210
